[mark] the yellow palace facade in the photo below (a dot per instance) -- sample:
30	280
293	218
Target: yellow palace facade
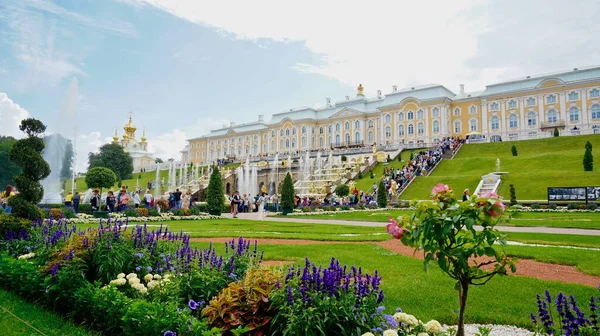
525	108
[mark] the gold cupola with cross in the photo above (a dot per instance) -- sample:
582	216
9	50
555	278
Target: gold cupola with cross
129	128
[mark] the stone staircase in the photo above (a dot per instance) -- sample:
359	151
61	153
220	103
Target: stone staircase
489	183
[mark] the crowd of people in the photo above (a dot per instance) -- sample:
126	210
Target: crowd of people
259	203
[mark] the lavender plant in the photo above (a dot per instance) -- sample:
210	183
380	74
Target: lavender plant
563	316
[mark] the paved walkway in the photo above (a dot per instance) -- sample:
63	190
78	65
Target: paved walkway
304	219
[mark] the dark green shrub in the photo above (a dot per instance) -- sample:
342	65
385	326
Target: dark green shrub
287	195
592	206
154	318
588	145
14	224
412	156
22	278
513	195
556	131
214	193
102	309
372	175
535	206
389	159
68	212
514	151
359	175
552	206
381	195
573	206
400	157
61	286
152	212
342	190
344	158
588	160
131	212
24	209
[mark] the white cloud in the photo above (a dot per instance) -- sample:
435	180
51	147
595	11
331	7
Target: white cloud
382	43
85	144
11	115
167	145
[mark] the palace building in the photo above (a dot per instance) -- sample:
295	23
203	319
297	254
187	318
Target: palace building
524	108
137	149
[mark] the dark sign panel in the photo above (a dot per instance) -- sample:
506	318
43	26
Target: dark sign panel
576	194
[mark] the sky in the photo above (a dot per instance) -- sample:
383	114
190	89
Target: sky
184	67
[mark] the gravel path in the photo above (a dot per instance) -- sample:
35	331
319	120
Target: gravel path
497	330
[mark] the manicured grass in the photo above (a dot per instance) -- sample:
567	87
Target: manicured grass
579	220
143	181
554	239
540	164
366	183
47	322
586	261
265	229
431	295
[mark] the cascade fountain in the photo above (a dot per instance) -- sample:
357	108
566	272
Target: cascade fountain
306	168
156	183
56	145
318	163
274	175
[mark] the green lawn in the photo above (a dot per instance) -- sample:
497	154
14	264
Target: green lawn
47	322
586	261
431	295
145	178
554	239
366	183
541	163
579	220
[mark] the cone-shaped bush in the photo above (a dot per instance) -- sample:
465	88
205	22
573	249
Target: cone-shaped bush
588	145
381	195
214	193
588	160
514	150
287	195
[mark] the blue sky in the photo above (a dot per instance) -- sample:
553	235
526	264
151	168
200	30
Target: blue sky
185	67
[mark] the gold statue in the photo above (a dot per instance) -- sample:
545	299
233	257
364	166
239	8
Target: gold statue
352	185
374	149
263	189
360	91
313	189
394	187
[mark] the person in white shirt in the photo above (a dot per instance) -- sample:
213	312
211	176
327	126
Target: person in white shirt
136	199
261	206
147	199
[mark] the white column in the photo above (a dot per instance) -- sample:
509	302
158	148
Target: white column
541	107
504	127
259	151
444	121
563	107
426	111
484	118
381	138
522	124
584	111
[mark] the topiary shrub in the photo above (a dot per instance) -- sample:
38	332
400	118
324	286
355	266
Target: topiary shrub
342	190
535	206
556	134
359	175
344	158
573	206
588	145
514	151
588	160
27	154
592	206
9	223
287	195
389	159
381	195
214	193
513	195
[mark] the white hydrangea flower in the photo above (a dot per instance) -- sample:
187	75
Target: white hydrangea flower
390	332
411	320
433	326
148	277
134	281
121	275
131	275
422	334
152	284
368	334
157	277
143	290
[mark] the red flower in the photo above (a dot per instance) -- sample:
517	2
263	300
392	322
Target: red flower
394	230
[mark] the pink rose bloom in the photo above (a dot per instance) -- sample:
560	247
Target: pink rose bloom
440	188
395	231
489	194
497	213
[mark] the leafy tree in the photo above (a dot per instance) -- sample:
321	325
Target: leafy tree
514	150
342	190
588	145
158	160
381	195
100	177
113	157
453	234
27	153
588	160
8	169
513	195
287	195
214	193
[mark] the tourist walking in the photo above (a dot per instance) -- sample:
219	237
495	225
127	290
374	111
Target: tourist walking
235	201
76	200
185	201
148	199
136	199
110	201
275	200
465	195
261	208
95	200
6	194
123	200
69	199
177	195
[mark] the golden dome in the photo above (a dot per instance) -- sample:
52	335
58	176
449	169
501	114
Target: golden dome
115	137
144	135
129	128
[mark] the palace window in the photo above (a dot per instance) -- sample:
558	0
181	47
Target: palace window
330	143
280	134
303	142
531	118
401	130
329	128
473	124
264	148
595	93
388	131
255	149
595	111
420	114
401	116
255	138
530	101
247	149
321	142
436	126
357	124
347	125
357	137
239	150
573	95
473	109
411	129
410	115
420	128
457	126
494	106
512	121
370	123
218	142
436	112
388	118
294	131
303	129
337	127
224	151
320	130
551	99
265	136
281	144
247	138
552	116
574	113
293	142
347	138
273	146
495	121
287	143
457	111
370	136
512	104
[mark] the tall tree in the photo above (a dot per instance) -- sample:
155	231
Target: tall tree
113	157
27	153
381	194
8	169
214	193
287	195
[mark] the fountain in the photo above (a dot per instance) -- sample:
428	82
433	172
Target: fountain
306	168
274	174
498	164
156	183
56	146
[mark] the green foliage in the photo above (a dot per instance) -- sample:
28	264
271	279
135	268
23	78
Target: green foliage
438	229
344	158
342	190
359	175
60	287
588	160
389	159
244	303
100	177
114	157
203	284
27	154
399	157
102	309
8	169
158	160
12	223
109	258
22	278
381	195
119	183
24	209
513	195
514	151
412	156
287	195
556	134
214	193
588	144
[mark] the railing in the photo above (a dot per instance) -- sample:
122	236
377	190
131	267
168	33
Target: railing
548	124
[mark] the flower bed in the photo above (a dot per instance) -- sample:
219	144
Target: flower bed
334	210
137	281
89	219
